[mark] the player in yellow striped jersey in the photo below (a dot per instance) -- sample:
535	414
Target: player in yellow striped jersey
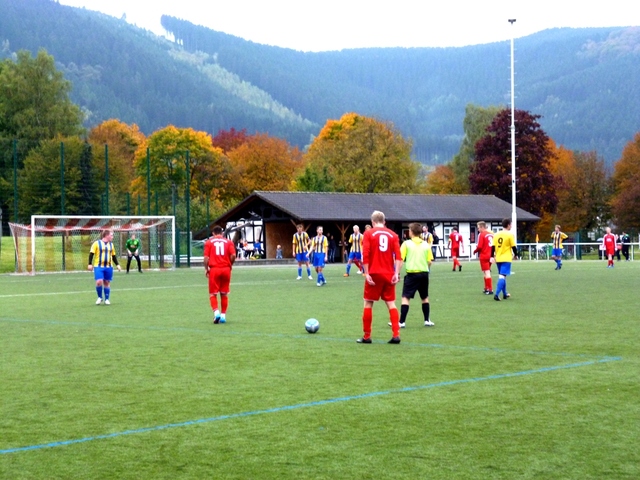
319	249
102	257
557	237
355	254
301	250
426	235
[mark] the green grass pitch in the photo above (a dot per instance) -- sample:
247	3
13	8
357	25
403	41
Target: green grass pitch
544	385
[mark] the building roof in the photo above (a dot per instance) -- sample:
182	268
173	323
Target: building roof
323	206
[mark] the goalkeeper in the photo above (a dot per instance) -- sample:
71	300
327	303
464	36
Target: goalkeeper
133	250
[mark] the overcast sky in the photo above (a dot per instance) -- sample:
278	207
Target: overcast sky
336	24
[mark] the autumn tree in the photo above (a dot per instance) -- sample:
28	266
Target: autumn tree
168	150
582	188
625	202
227	140
491	171
361	154
476	121
441	181
122	142
561	164
263	162
589	201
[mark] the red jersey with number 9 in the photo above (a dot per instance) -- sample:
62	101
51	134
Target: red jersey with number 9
219	251
380	249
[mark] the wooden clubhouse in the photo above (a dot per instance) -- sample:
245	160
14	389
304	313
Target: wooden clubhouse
271	217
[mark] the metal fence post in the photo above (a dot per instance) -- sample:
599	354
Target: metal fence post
61	178
188	201
106	178
15	180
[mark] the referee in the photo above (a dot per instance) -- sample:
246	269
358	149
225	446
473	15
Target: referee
417	257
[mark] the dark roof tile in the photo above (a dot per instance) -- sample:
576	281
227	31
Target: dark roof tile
396	207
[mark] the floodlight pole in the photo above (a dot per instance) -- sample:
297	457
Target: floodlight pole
514	216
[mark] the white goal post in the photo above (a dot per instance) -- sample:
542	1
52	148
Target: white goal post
56	243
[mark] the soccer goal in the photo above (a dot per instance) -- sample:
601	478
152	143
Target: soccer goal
62	243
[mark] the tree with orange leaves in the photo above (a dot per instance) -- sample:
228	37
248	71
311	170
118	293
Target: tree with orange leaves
626	184
360	154
441	181
122	141
561	166
582	189
169	149
262	162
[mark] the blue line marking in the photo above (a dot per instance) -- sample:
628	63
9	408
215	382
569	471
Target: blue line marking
309	404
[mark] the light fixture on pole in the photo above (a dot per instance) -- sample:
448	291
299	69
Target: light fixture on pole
514	217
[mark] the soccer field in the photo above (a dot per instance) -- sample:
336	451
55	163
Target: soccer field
544	385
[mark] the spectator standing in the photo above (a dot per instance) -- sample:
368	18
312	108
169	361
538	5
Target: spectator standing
332	248
618	247
625	240
434	248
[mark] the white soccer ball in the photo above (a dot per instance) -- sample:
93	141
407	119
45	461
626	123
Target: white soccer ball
312	325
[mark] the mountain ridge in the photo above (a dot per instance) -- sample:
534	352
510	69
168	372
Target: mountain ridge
582	81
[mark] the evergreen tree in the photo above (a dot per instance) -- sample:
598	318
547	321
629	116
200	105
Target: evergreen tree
89	196
476	121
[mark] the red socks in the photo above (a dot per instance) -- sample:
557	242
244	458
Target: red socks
367	319
224	303
213	300
395	323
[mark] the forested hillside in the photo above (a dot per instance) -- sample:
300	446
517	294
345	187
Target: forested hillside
120	71
582	81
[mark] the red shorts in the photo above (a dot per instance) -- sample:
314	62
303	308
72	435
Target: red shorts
485	265
611	251
455	252
219	280
383	289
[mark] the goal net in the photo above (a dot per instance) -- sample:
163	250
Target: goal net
62	243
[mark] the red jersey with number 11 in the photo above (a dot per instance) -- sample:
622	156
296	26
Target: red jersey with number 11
219	251
380	249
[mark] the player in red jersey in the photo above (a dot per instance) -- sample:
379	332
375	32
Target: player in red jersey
609	244
457	247
483	249
381	262
219	256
